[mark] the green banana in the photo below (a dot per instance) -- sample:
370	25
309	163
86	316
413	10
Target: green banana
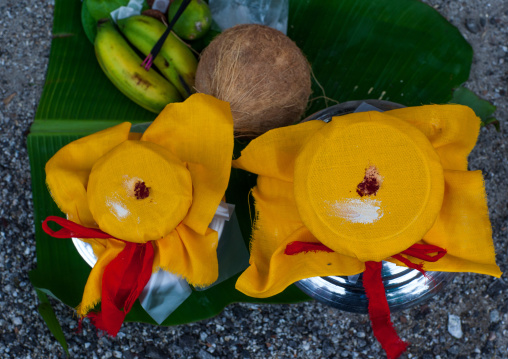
175	60
195	20
123	67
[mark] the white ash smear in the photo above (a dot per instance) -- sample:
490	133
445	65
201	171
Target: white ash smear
364	211
129	183
117	208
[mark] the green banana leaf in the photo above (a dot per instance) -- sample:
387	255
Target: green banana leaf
89	23
48	314
397	50
401	51
483	109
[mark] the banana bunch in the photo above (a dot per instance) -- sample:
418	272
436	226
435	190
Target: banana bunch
175	60
122	64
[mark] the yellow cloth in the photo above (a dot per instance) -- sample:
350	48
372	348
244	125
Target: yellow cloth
334	161
309	190
162	186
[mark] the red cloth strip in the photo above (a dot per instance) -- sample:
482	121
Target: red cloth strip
123	279
379	311
122	282
305	247
421	251
70	229
407	262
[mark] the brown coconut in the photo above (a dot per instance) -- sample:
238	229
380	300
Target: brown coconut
260	72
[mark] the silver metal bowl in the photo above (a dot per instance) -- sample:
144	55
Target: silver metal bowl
404	287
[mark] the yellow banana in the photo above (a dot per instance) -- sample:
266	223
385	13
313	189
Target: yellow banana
175	60
123	67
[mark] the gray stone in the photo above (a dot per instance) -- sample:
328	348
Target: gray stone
454	349
203	336
494	316
204	355
454	326
473	25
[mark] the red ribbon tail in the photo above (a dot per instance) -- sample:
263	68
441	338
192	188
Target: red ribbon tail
98	320
79	329
379	311
122	282
70	229
297	247
407	262
423	252
124	277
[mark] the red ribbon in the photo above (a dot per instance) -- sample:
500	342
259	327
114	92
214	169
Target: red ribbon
124	277
420	251
70	229
122	282
379	311
297	247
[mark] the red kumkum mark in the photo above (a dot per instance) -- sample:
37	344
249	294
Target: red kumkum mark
141	191
371	182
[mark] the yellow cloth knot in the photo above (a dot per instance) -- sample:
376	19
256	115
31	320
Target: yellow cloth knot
163	186
368	186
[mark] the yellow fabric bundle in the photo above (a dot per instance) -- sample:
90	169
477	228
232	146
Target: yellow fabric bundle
368	186
163	186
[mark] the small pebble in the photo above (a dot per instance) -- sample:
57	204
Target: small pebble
454	350
454	326
204	355
494	316
472	25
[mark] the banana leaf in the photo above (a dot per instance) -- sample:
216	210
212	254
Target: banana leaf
47	313
397	50
482	108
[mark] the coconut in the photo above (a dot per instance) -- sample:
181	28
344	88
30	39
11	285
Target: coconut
260	72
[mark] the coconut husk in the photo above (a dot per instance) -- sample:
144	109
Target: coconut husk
261	73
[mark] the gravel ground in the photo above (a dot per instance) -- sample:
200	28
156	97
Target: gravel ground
308	330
